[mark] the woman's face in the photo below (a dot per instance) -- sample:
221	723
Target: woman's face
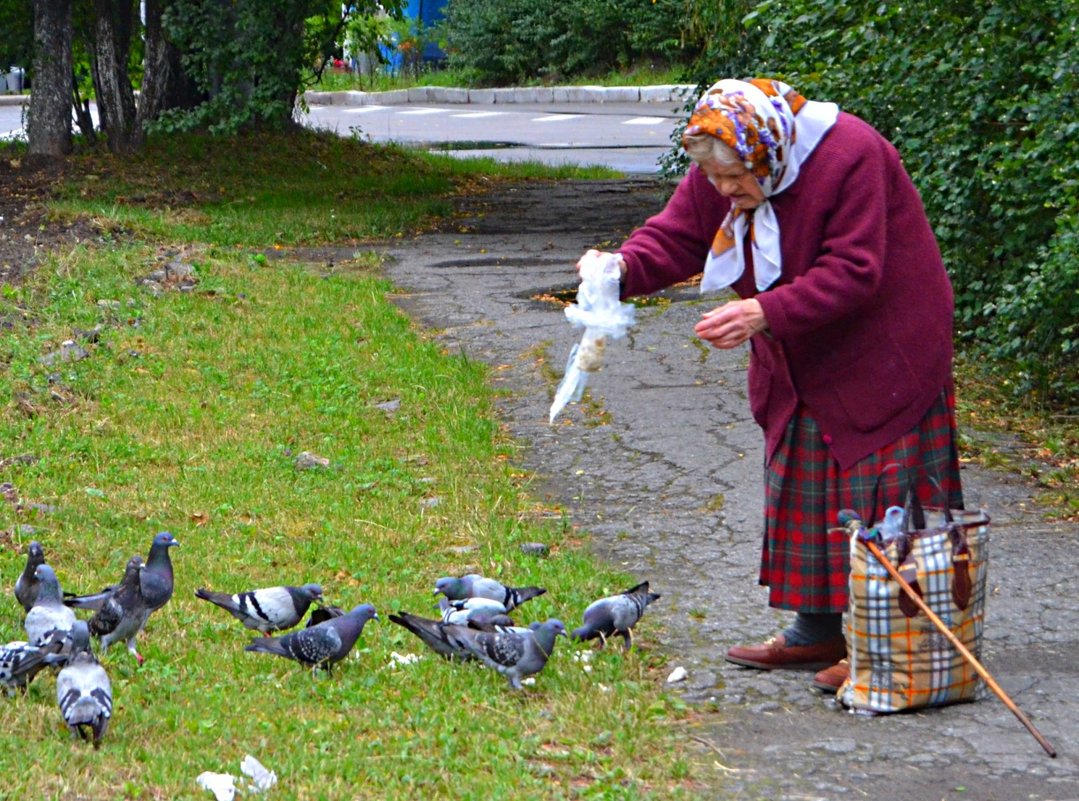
734	181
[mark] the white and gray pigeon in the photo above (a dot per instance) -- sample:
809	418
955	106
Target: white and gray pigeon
83	690
321	645
48	617
478	612
268	609
26	586
473	585
123	614
20	662
156	579
616	614
515	653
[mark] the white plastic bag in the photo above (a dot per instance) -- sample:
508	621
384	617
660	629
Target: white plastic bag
603	318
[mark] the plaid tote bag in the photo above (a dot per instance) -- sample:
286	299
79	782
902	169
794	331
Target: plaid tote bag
898	659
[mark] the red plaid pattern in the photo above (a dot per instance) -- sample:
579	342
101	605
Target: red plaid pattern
805	559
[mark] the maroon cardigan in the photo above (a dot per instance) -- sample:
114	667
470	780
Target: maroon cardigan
859	322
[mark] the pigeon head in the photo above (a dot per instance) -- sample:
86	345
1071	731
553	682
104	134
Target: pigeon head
452	588
164	540
35	554
363	613
50	585
80	637
312	591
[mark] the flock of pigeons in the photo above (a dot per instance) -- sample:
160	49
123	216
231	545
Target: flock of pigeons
475	623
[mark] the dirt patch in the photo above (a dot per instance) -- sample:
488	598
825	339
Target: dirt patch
27	230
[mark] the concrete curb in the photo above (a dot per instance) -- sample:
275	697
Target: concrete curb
14	100
668	93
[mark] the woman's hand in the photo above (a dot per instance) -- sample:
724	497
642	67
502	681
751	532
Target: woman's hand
731	324
591	254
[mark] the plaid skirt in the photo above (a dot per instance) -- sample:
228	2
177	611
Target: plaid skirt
805	558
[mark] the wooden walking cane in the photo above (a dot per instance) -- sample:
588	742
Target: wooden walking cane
856	525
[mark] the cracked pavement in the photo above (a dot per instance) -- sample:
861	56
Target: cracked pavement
662	470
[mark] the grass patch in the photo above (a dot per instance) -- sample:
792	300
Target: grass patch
187	416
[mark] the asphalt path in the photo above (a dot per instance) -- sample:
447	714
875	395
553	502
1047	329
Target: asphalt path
629	137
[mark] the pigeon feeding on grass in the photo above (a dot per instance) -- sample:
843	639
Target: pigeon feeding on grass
269	609
321	645
48	617
20	662
156	579
473	585
616	614
124	612
436	635
478	612
83	690
26	586
515	653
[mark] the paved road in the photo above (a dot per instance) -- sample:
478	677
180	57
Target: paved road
630	137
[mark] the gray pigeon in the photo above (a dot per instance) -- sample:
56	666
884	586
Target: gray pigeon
515	653
269	609
156	579
48	614
321	645
26	586
83	690
473	585
20	662
616	614
477	612
124	613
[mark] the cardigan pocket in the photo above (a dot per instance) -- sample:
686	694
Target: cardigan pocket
878	387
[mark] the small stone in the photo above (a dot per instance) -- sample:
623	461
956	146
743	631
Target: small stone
535	549
311	461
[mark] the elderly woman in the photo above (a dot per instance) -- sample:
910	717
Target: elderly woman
808	215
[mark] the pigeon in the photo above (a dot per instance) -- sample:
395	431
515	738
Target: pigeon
124	612
20	662
477	612
473	585
321	645
515	653
156	579
439	635
616	614
26	586
48	614
83	690
269	609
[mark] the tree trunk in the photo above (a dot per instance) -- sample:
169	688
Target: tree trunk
115	97
165	85
49	126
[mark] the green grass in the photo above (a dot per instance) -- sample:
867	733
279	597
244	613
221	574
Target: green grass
188	415
334	81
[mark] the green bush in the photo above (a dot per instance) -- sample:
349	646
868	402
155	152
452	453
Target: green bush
521	41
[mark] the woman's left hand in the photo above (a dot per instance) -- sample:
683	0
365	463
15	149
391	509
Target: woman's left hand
731	324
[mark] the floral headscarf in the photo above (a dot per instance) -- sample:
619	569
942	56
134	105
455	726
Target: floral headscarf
773	129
